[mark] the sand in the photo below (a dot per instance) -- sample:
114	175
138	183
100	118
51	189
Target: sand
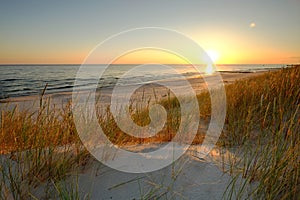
187	178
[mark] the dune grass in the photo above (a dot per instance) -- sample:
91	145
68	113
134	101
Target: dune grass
262	125
39	148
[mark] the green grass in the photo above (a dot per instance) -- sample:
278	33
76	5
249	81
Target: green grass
262	125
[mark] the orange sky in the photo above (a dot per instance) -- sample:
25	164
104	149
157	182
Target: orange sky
240	32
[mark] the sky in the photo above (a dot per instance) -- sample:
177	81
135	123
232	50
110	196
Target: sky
233	32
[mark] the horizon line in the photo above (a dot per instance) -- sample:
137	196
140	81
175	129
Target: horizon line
25	64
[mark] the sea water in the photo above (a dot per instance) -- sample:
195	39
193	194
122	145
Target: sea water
26	80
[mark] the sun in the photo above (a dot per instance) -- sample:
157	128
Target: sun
214	55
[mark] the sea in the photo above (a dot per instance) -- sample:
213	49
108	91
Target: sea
27	80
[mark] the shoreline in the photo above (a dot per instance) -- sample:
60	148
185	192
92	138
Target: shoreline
197	83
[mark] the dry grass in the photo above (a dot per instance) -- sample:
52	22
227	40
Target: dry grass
262	122
21	130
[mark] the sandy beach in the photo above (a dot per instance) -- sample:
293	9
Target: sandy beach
145	100
43	156
187	178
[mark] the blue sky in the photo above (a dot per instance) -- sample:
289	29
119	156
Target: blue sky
65	31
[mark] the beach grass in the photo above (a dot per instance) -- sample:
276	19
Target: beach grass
262	123
262	126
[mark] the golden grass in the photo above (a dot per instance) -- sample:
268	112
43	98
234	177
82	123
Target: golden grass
22	130
262	121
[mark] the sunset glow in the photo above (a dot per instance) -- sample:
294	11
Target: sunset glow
214	55
245	33
209	69
149	56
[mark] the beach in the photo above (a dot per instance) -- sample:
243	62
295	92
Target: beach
145	100
62	98
50	150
